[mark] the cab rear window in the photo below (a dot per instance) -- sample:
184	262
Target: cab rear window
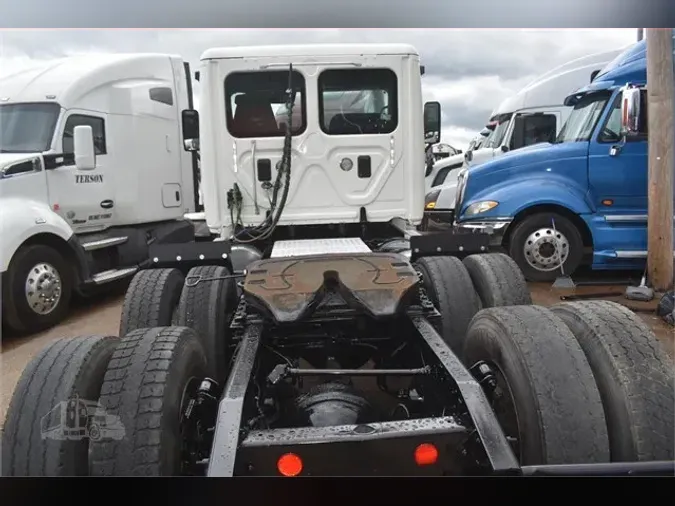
255	104
358	101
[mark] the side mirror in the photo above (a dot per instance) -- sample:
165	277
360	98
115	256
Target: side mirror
432	122
630	111
83	146
190	121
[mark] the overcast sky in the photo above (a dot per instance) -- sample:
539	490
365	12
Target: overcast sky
469	71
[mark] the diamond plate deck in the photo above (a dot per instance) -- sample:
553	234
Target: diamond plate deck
313	247
288	289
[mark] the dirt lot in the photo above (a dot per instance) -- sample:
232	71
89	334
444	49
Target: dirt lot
102	315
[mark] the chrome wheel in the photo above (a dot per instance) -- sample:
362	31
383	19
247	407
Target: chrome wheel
546	249
43	288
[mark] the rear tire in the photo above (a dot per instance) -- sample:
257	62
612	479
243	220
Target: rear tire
144	385
65	369
207	308
151	299
449	286
41	265
540	223
498	280
551	403
633	374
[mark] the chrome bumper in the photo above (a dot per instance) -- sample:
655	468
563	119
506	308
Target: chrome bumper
495	228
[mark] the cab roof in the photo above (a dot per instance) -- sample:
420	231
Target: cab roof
629	67
551	88
66	80
304	50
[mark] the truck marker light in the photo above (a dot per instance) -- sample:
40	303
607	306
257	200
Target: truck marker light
56	207
607	202
430	205
289	464
426	454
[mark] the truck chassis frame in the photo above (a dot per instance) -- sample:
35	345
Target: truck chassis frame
333	315
235	451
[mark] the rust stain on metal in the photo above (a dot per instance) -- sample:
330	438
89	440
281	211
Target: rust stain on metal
289	288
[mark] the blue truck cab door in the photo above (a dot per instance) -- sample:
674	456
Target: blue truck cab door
618	176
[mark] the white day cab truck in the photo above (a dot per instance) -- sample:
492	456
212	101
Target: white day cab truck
241	356
533	115
73	223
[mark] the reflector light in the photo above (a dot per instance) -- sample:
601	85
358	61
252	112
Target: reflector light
426	454
289	464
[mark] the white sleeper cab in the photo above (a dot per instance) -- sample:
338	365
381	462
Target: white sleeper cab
74	222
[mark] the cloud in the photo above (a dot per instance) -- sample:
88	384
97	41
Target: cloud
469	71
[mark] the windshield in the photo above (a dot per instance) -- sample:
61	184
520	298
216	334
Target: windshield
27	128
495	139
488	138
583	118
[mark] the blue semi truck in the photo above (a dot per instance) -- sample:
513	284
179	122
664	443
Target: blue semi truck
581	199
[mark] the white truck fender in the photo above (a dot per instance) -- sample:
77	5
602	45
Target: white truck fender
21	219
446	199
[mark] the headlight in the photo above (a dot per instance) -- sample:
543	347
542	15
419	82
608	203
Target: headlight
430	199
480	207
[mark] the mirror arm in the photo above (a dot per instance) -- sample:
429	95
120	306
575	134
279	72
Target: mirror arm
618	147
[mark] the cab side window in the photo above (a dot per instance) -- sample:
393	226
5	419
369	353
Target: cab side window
539	128
532	129
611	131
97	126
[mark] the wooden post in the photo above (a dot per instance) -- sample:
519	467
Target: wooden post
661	112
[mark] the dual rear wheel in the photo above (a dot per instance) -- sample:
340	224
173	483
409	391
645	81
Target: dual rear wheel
578	382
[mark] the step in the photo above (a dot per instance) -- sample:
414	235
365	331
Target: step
101	278
104	243
633	254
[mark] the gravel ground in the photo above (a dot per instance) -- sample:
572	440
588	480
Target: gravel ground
102	314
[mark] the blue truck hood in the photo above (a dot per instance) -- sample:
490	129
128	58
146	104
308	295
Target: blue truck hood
501	178
536	157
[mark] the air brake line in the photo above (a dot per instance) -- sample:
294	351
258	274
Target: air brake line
234	196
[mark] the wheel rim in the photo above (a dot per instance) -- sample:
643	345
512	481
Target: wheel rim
546	249
94	433
187	444
43	288
504	407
